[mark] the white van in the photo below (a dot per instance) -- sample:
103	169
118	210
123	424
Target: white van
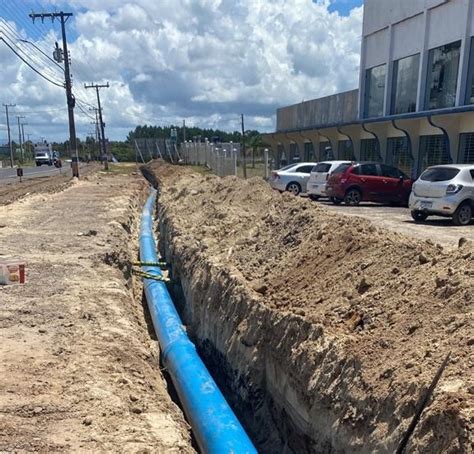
316	187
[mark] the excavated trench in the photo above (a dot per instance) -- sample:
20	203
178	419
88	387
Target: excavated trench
335	373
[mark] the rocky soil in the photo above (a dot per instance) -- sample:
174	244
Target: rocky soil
80	365
326	329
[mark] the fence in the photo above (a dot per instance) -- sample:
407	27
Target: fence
148	149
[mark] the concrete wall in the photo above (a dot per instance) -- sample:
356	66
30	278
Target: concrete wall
331	110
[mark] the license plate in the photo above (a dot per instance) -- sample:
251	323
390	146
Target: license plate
426	205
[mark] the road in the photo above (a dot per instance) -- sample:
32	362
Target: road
8	175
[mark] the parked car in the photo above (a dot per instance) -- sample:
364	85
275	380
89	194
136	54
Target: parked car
316	187
292	178
369	182
446	190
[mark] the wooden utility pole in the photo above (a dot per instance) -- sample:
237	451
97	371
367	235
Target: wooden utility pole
71	101
102	125
244	158
10	145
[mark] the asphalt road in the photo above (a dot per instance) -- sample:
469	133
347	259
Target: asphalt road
8	175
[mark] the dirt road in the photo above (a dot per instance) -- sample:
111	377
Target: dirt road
80	368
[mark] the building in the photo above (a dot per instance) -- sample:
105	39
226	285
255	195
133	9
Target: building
415	103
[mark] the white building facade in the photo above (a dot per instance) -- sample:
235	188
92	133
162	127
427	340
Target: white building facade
415	103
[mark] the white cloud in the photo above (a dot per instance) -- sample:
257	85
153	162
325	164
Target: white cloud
204	60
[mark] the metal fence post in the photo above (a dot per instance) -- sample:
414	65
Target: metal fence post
265	153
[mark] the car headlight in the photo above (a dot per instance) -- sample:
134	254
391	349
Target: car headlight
453	189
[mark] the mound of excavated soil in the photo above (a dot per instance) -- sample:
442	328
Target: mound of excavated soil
395	305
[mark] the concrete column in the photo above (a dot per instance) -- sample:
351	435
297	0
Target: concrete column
420	102
333	136
296	138
380	132
314	137
465	53
389	75
353	132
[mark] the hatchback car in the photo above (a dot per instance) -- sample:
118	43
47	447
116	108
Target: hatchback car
292	178
446	190
369	182
318	179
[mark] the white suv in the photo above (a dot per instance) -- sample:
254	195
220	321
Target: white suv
446	190
319	177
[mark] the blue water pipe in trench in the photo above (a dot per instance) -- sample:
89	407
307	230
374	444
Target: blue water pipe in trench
214	424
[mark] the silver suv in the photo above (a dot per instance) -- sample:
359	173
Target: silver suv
446	190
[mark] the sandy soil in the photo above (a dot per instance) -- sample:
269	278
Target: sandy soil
395	305
80	369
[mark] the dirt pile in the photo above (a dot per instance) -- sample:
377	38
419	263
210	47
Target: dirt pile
351	321
80	367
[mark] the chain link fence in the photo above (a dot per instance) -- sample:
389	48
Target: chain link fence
148	149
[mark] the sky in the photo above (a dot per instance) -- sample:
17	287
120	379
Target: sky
205	61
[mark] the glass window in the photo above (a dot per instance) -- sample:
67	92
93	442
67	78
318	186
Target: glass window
405	84
399	154
391	172
442	82
341	169
472	174
294	153
433	151
369	150
325	151
309	152
368	170
345	151
304	169
470	77
466	145
374	91
322	168
439	174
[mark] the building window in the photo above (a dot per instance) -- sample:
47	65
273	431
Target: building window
369	150
325	151
466	148
345	151
374	91
442	82
399	154
294	153
433	151
470	79
405	84
309	154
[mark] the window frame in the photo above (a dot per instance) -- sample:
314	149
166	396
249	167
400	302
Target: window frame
393	92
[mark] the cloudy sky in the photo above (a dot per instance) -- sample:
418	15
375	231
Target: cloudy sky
205	61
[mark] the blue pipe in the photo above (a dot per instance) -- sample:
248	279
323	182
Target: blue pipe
214	424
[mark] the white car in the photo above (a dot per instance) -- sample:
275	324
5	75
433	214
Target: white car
446	190
319	176
292	178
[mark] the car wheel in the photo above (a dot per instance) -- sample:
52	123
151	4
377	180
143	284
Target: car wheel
314	198
463	214
336	201
419	216
353	197
294	188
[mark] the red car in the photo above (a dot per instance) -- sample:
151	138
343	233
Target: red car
368	182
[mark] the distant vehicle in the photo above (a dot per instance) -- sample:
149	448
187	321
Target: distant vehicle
43	157
370	182
292	178
318	179
446	190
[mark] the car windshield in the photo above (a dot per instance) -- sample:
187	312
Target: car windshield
322	167
341	169
439	174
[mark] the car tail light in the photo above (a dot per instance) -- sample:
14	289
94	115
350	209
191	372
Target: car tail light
453	189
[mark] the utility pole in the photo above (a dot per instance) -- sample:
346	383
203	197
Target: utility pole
184	131
102	126
244	158
19	117
9	136
97	130
71	101
23	136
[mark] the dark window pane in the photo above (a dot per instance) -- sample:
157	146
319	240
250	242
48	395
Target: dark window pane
443	67
341	169
466	147
439	174
309	152
374	91
470	80
368	170
304	169
321	168
345	151
433	151
405	84
399	154
472	174
390	172
325	151
369	150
